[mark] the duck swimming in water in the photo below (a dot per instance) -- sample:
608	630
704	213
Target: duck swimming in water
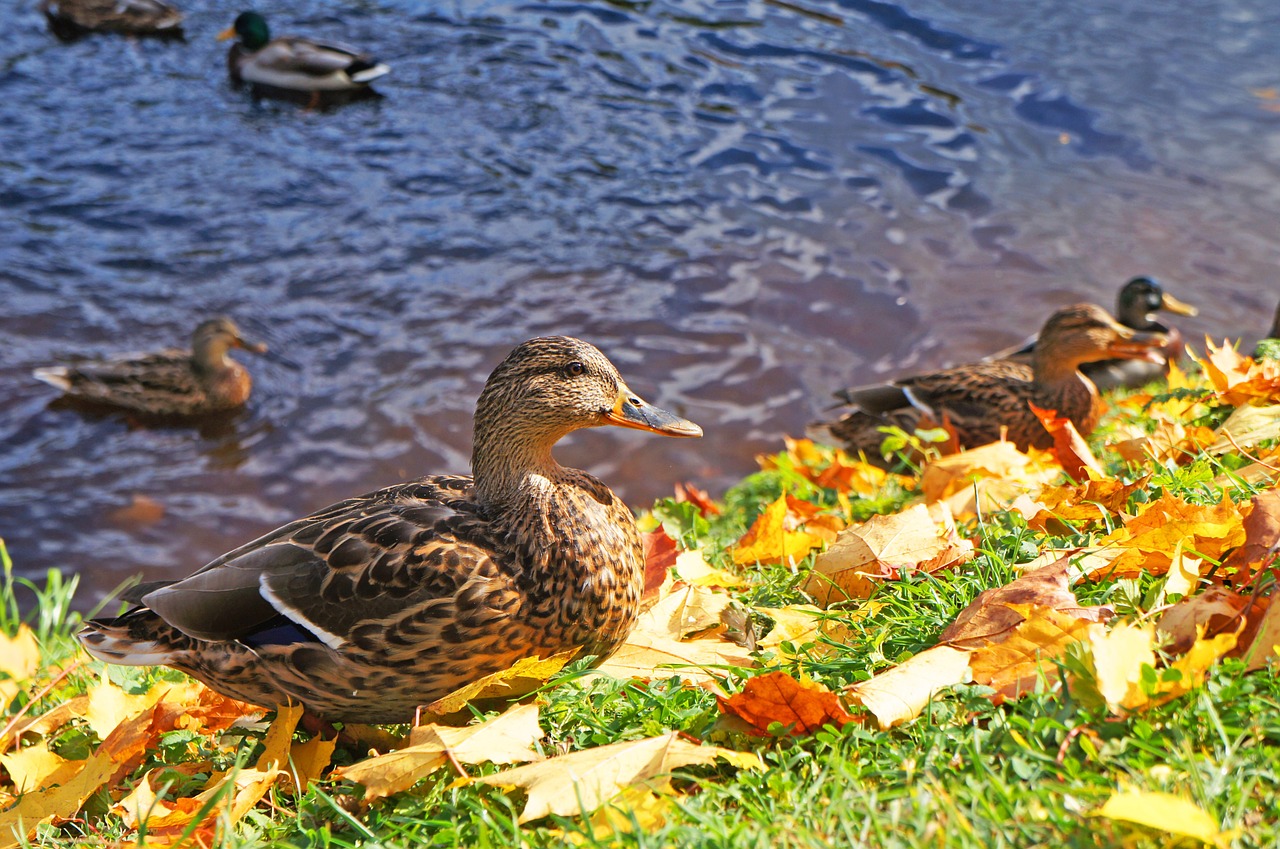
71	19
373	606
165	383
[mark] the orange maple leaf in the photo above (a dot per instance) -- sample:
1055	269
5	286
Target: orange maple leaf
777	697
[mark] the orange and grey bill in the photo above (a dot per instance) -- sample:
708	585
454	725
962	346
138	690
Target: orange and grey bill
632	411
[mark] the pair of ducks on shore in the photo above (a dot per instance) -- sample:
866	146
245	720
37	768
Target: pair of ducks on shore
384	602
279	66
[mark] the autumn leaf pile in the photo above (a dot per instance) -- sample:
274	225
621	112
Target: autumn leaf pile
825	607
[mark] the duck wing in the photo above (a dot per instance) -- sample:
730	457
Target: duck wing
390	568
133	381
304	56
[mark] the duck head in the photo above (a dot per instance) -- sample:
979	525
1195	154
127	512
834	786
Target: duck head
1141	298
1085	333
214	338
251	30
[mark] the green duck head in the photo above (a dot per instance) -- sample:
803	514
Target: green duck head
251	30
1141	298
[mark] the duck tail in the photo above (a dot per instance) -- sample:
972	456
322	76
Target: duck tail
138	638
56	376
366	70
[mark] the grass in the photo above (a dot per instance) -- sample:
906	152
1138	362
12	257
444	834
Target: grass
967	773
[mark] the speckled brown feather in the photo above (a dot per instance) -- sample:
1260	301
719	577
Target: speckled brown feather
136	17
393	599
980	399
165	383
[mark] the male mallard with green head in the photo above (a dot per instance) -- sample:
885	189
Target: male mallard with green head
165	383
978	400
72	18
1136	307
378	604
291	64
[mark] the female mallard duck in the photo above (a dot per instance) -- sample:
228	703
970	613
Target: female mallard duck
980	399
373	606
72	18
290	64
1136	307
166	383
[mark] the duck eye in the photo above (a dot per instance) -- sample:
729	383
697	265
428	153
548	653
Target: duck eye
574	369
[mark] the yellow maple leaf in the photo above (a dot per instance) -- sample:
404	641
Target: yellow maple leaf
1014	664
1164	812
770	541
699	661
900	693
1164	525
507	738
581	782
522	677
36	766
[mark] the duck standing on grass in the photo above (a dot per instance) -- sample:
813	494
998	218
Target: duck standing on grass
290	66
1136	307
165	383
69	19
378	604
978	400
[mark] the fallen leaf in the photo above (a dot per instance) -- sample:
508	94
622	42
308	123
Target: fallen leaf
1265	648
507	738
580	782
801	708
699	661
1068	446
1164	812
1246	427
1083	502
638	809
987	478
1212	612
1237	379
769	540
659	556
687	610
866	554
140	512
1170	524
698	498
900	693
521	678
1124	669
308	760
1013	663
1261	538
693	569
35	766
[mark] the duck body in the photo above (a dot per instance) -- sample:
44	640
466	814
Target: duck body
292	64
1140	299
172	382
981	400
381	603
72	18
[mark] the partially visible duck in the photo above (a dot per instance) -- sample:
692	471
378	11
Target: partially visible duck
1139	301
1269	348
165	383
375	605
980	399
291	64
72	18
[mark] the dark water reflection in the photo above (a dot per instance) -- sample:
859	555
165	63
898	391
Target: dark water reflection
746	204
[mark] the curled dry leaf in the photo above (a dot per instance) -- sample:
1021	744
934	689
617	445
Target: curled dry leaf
800	707
987	478
687	610
900	693
507	738
1014	663
699	661
582	781
879	548
1215	611
774	537
698	498
1261	539
1170	524
1237	379
521	678
1069	447
1265	646
659	556
1083	502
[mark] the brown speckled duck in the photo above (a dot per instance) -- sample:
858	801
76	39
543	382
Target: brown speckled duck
72	18
165	383
373	606
979	399
1136	307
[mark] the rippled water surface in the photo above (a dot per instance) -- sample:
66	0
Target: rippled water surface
745	204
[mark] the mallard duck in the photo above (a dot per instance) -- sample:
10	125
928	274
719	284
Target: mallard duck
165	383
1269	348
980	399
373	606
290	64
1136	307
73	18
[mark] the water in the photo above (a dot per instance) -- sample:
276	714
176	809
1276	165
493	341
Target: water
745	204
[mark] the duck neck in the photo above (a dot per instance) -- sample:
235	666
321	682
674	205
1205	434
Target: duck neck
1061	386
209	357
511	473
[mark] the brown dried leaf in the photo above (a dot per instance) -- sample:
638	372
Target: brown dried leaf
1170	524
521	678
1210	613
1261	538
699	661
877	549
659	556
1013	663
582	781
1068	446
777	697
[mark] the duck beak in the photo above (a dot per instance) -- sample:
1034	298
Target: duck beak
1171	304
229	32
251	347
1138	345
632	411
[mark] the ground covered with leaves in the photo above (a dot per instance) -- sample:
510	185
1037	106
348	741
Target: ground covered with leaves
1070	648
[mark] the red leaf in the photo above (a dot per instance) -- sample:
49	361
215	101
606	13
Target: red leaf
659	556
777	697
